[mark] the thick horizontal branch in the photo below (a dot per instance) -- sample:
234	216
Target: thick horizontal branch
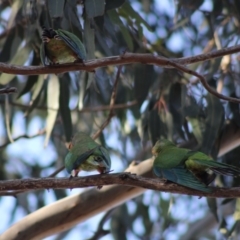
127	58
125	178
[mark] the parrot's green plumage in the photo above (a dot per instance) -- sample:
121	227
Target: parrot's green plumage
188	168
60	46
85	154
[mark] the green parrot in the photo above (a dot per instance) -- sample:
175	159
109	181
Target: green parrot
85	154
191	169
60	46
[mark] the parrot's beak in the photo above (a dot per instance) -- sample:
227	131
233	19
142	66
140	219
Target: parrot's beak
103	170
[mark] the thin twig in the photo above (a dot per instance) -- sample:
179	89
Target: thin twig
204	82
8	90
7	119
40	132
101	232
86	109
56	171
108	107
111	105
11	193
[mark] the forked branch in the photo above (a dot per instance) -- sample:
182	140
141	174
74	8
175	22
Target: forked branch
129	58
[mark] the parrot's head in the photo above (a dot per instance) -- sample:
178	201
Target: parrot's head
85	154
160	145
48	34
101	160
60	46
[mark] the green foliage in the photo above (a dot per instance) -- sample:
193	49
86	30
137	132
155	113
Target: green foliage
169	103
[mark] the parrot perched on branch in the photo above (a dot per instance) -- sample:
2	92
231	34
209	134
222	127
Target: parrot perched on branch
85	154
60	46
191	169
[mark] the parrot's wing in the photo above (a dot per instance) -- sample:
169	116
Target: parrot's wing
106	157
73	42
182	176
172	157
219	168
73	161
83	157
42	54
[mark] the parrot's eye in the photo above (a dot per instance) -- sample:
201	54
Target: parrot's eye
97	159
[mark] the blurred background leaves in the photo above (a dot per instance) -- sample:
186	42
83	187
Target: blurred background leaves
166	102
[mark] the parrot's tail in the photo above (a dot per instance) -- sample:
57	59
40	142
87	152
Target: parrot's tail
220	168
226	171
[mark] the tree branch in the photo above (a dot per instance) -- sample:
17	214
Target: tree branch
71	210
127	58
111	105
126	179
8	90
39	133
65	213
101	232
200	227
85	109
204	82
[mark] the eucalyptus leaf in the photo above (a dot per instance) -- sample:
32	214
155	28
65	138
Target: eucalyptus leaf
65	111
197	128
38	87
143	78
55	8
71	14
31	79
15	8
112	4
213	123
114	16
29	85
118	225
212	204
53	93
143	210
89	39
19	58
176	103
94	8
12	43
103	44
82	90
90	46
128	10
36	94
156	127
